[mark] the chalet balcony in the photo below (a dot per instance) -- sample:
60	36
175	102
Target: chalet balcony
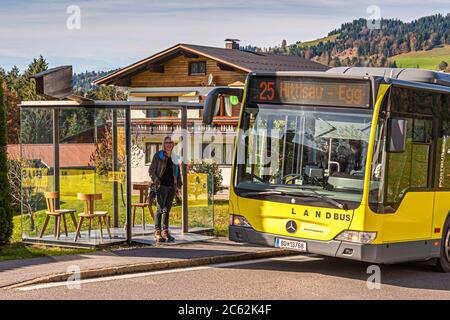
168	125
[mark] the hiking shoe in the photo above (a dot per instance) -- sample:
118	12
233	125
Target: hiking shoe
166	235
159	237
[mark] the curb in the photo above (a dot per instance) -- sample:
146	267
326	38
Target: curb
153	266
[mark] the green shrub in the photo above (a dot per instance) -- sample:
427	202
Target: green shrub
443	65
6	212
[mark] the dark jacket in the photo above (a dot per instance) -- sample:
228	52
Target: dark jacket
157	167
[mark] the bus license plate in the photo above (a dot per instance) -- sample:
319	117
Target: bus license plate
290	244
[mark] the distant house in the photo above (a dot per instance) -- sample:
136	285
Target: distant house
186	73
38	170
72	156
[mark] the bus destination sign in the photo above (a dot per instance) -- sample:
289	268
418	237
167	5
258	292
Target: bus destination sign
310	91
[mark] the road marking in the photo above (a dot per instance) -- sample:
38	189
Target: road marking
153	273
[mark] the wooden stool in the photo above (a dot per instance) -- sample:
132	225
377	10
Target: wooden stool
90	214
143	202
50	199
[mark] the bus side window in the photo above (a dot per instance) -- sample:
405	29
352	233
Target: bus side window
399	170
394	174
410	168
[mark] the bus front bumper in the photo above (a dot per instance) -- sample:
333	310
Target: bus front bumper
373	253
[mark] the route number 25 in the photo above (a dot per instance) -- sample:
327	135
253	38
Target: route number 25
267	90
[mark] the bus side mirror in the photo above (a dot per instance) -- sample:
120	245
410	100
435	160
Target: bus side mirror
396	135
211	99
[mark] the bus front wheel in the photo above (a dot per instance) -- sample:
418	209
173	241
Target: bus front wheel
443	262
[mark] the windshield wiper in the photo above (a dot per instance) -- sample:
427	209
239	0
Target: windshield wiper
254	193
272	192
301	194
336	203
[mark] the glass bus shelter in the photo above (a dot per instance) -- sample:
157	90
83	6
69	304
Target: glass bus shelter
87	156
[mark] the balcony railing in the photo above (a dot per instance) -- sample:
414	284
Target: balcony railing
170	125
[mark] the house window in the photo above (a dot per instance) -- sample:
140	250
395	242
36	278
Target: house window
150	149
161	113
224	107
197	68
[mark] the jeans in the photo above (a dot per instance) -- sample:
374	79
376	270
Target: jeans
164	200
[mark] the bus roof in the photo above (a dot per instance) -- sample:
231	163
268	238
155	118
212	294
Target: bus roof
406	74
405	77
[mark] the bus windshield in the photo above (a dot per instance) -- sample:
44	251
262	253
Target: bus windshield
317	151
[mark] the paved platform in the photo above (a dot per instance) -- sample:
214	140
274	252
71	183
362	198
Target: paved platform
146	236
118	236
129	260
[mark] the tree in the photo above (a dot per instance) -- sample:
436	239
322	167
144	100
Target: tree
38	122
2	73
21	87
26	84
284	46
6	214
102	158
108	93
12	116
394	38
37	126
12	80
12	103
23	188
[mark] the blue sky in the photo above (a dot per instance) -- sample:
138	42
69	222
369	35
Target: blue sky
115	33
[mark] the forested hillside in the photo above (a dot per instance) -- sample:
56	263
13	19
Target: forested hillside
83	81
355	44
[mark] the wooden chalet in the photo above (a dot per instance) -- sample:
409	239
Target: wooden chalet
186	73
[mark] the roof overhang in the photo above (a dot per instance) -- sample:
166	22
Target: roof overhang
111	104
151	62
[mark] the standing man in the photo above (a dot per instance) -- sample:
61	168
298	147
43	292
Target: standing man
165	177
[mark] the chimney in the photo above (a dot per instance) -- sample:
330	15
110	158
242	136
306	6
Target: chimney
232	44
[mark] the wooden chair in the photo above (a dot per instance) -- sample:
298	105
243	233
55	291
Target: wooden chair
50	199
143	202
90	214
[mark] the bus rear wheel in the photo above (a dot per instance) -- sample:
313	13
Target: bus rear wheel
443	262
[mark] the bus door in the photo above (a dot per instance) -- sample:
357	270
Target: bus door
408	188
442	198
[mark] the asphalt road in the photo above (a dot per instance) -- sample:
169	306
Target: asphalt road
294	277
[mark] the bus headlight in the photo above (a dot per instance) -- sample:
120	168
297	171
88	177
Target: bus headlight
357	236
236	220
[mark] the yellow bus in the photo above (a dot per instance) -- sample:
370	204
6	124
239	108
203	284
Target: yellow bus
351	163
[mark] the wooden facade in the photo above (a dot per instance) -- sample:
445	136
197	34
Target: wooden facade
224	63
175	73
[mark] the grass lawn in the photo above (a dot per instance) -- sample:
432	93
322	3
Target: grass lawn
200	215
311	43
17	250
423	59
